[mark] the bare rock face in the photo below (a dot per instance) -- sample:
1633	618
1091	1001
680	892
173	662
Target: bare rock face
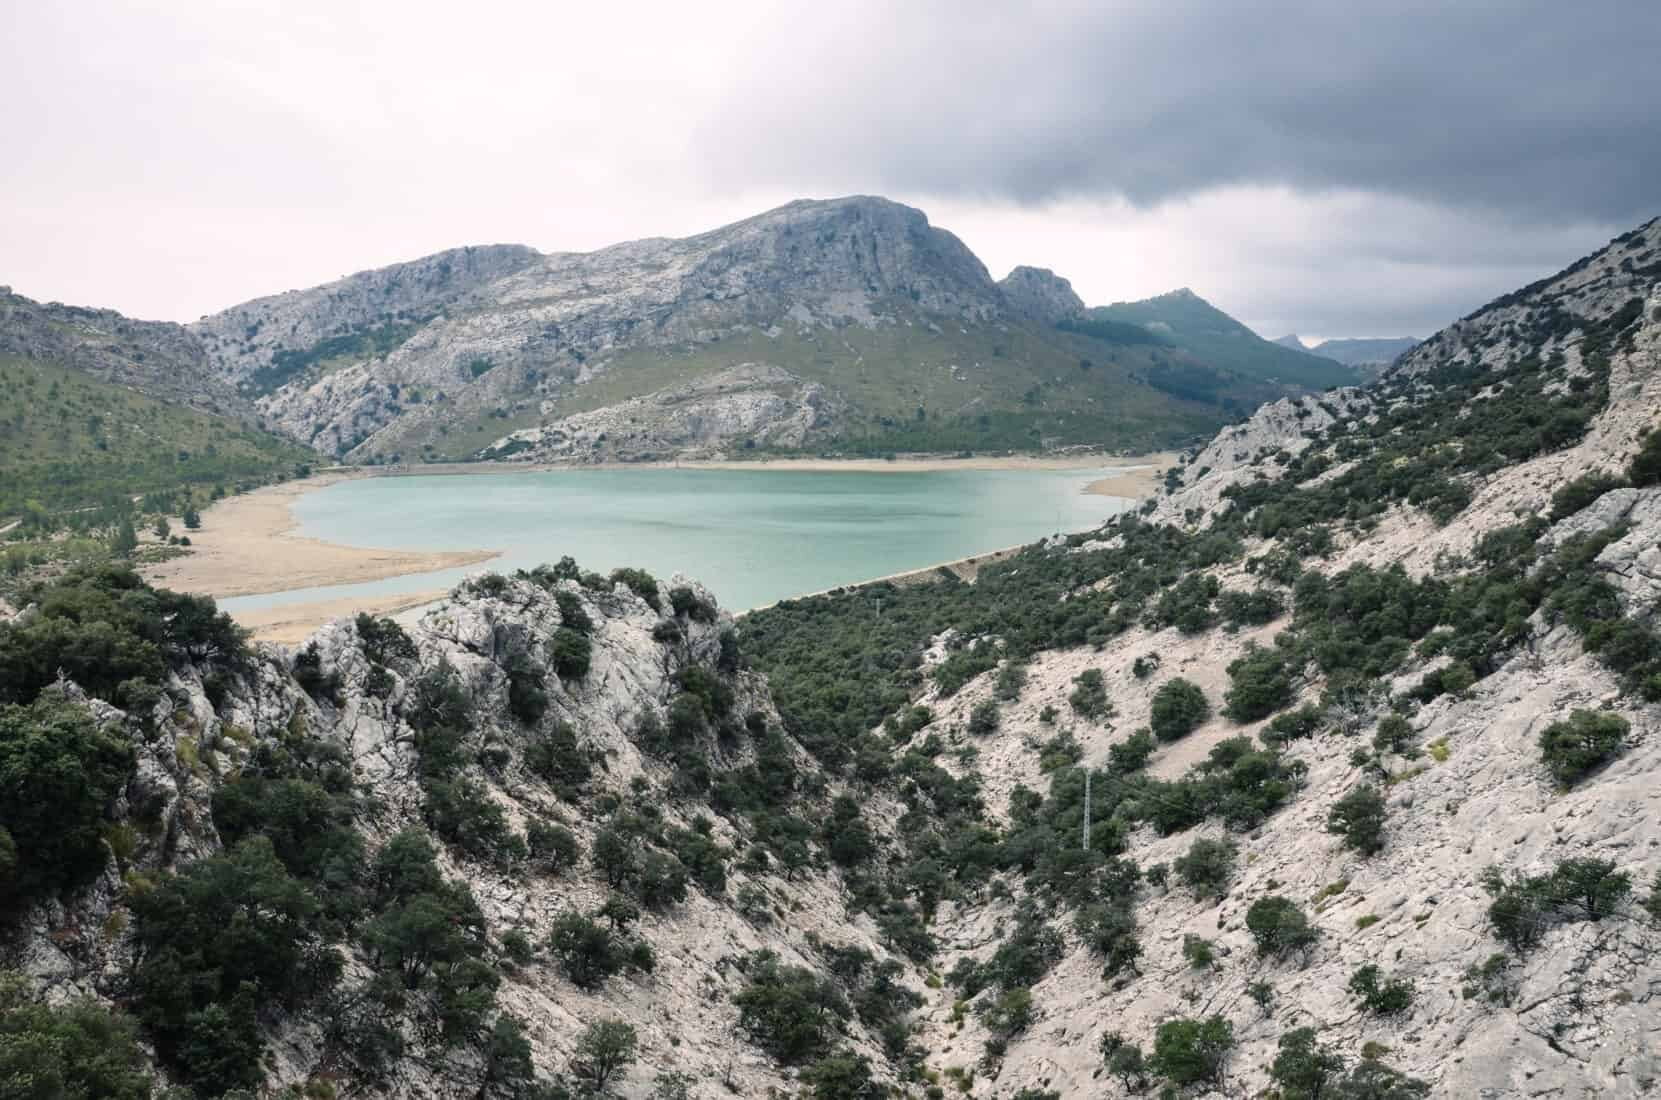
1258	448
739	408
250	336
1041	293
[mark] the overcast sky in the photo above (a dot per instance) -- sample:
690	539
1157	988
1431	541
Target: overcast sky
1338	168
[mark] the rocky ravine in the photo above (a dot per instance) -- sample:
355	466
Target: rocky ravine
681	1010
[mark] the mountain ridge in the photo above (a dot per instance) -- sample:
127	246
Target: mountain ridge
822	289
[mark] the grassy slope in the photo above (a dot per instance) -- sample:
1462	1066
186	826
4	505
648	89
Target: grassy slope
70	440
1017	387
1212	336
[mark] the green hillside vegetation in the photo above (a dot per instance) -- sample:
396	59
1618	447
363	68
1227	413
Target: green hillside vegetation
72	441
1014	387
373	341
1189	322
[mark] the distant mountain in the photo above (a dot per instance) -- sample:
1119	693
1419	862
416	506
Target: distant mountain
1365	353
1291	340
849	325
845	325
1202	330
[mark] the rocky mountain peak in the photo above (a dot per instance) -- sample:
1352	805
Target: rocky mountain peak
1041	293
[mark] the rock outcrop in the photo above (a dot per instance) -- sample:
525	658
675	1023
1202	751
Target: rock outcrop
737	409
1041	293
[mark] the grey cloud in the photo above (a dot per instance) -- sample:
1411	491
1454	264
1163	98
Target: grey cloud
1543	109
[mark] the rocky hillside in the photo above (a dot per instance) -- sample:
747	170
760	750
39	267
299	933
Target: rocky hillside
157	358
491	351
97	409
1333	772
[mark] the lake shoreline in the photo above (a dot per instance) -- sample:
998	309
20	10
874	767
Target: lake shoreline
246	545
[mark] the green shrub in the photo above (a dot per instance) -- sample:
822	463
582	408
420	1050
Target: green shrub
1131	755
58	774
570	652
642	583
1580	493
1576	748
384	641
527	698
108	631
69	1051
1371	1079
589	952
1189	1052
1358	817
1260	683
789	1011
603	1051
1009	1014
1525	907
1645	467
1254	608
1294	725
572	614
983	718
1060	751
553	848
685	602
208	938
1380	994
1199	951
1396	734
1186	605
1125	1061
842	1075
462	812
1279	926
1089	695
555	756
300	797
1302	1068
309	674
1206	867
1179	707
1012	678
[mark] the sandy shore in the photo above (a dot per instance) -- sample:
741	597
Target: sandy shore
245	548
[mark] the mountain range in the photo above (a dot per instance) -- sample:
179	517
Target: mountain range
1365	353
850	325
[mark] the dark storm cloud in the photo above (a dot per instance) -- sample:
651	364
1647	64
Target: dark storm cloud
1545	111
